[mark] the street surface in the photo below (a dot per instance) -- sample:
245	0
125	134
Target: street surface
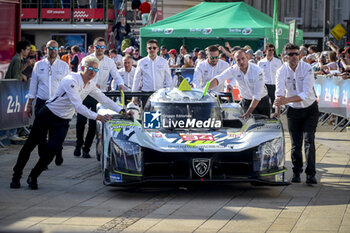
72	198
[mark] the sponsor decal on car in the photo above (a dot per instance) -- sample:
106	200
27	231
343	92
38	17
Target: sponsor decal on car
197	137
116	178
155	120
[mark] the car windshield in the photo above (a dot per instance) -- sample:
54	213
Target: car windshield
187	115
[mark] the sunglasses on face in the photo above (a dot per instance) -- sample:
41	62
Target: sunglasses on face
212	58
93	69
292	54
53	48
100	47
272	50
150	48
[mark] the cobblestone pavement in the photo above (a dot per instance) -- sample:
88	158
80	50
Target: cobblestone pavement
72	198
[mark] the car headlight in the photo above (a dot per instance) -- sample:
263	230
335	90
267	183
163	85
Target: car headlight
126	156
271	154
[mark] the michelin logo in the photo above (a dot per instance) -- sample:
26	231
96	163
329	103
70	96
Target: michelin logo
152	120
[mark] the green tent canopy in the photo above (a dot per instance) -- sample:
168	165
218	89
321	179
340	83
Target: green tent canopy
215	23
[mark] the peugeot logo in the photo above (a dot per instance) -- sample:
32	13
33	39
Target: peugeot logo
201	166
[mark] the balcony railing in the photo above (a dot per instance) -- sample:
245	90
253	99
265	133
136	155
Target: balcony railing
67	11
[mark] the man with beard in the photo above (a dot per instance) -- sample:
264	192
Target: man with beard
209	68
46	77
295	88
250	81
106	67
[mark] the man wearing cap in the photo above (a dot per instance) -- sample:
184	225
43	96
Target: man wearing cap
209	68
46	77
250	57
164	52
259	55
152	72
295	88
172	59
195	54
61	51
250	80
269	66
106	68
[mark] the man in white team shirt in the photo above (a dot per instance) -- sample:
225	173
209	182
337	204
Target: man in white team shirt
106	67
209	68
250	81
46	76
295	88
270	65
127	73
59	110
152	72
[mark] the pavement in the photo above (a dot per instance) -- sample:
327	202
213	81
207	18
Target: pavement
72	198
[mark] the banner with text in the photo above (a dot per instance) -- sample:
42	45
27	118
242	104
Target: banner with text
13	103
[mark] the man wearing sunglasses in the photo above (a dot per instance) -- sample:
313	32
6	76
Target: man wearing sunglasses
46	77
295	88
152	72
269	66
209	68
59	110
250	81
106	68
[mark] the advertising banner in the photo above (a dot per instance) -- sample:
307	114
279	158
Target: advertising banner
13	104
333	95
55	13
83	13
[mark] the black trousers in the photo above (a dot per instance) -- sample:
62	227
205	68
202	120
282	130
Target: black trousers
263	107
45	122
90	103
271	89
302	124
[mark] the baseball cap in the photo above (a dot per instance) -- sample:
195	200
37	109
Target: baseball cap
249	51
196	49
163	47
127	50
61	47
32	47
173	51
258	53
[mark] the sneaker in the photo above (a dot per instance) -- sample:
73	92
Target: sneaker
16	137
296	178
32	182
77	152
86	155
15	184
59	158
310	179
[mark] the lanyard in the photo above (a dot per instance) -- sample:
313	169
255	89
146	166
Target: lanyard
50	77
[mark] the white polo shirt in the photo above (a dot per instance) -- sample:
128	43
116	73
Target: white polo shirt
127	77
151	75
299	83
106	67
251	85
46	78
70	95
204	72
269	69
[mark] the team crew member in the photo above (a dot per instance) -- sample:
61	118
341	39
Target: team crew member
59	110
127	73
250	80
152	72
209	68
106	67
294	87
270	65
46	76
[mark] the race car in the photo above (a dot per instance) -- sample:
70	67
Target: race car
190	135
